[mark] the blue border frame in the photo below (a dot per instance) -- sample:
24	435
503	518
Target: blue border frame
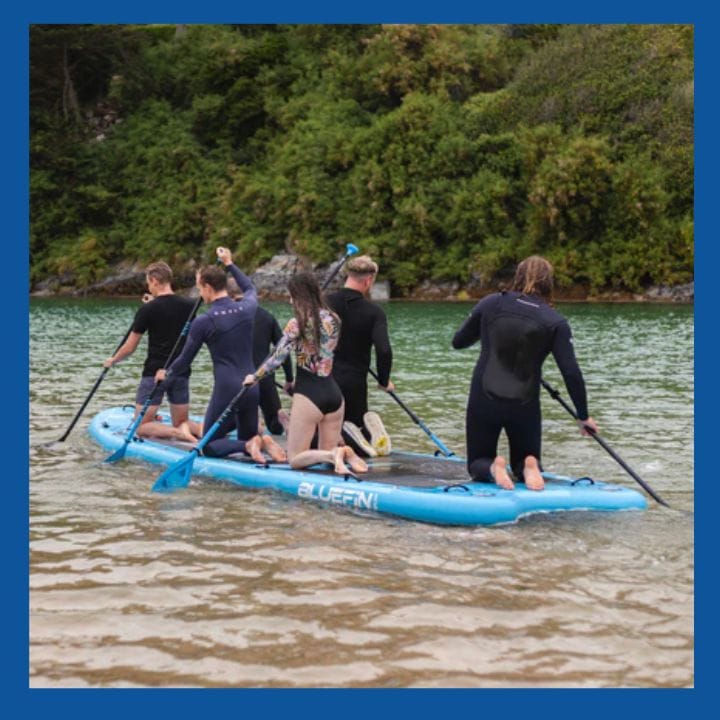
193	703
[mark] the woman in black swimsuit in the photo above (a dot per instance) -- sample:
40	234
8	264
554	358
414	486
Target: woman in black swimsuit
317	401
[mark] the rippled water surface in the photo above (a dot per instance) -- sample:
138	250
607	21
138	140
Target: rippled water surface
219	586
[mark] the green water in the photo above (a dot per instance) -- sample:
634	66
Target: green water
261	590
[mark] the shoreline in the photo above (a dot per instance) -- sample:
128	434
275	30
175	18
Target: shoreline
126	281
571	298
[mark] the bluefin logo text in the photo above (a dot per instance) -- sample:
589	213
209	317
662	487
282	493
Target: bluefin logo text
339	496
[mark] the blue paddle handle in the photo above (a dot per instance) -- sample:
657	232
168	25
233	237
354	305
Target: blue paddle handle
443	448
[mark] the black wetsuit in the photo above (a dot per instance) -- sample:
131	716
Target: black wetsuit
364	326
517	332
267	332
164	319
227	329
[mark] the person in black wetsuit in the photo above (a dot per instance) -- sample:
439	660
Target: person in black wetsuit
227	328
266	334
517	330
163	317
364	326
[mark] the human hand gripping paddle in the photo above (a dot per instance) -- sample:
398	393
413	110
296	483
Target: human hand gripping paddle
119	454
178	475
442	447
595	435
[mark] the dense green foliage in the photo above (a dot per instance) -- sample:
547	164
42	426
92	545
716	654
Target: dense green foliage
448	152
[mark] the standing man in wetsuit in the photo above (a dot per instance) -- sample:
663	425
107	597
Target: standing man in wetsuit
517	330
364	326
227	330
163	317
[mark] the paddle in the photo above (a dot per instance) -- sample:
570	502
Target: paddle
443	448
120	452
178	475
556	395
91	393
350	249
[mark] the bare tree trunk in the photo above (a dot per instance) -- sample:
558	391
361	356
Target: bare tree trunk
70	101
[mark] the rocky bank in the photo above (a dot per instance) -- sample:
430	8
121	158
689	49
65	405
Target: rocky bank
271	282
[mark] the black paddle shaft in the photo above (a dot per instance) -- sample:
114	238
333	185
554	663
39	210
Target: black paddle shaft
556	395
94	388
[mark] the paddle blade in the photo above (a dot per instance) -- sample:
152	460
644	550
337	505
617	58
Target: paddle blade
119	454
351	249
176	476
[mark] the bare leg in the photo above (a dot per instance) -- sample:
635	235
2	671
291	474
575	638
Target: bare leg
151	428
304	418
499	472
531	473
180	414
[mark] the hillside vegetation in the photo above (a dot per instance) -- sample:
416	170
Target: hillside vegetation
447	151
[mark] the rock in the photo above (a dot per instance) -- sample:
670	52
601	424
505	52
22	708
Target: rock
428	290
380	290
271	279
54	285
130	281
676	293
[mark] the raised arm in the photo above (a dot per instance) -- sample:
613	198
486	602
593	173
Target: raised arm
244	283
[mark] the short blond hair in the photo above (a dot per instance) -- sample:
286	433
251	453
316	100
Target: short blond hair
362	265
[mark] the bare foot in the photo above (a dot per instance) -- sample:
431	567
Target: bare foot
338	458
253	447
499	472
273	449
354	460
184	433
531	473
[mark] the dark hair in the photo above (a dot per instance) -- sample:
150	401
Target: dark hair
534	276
159	271
213	276
307	301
